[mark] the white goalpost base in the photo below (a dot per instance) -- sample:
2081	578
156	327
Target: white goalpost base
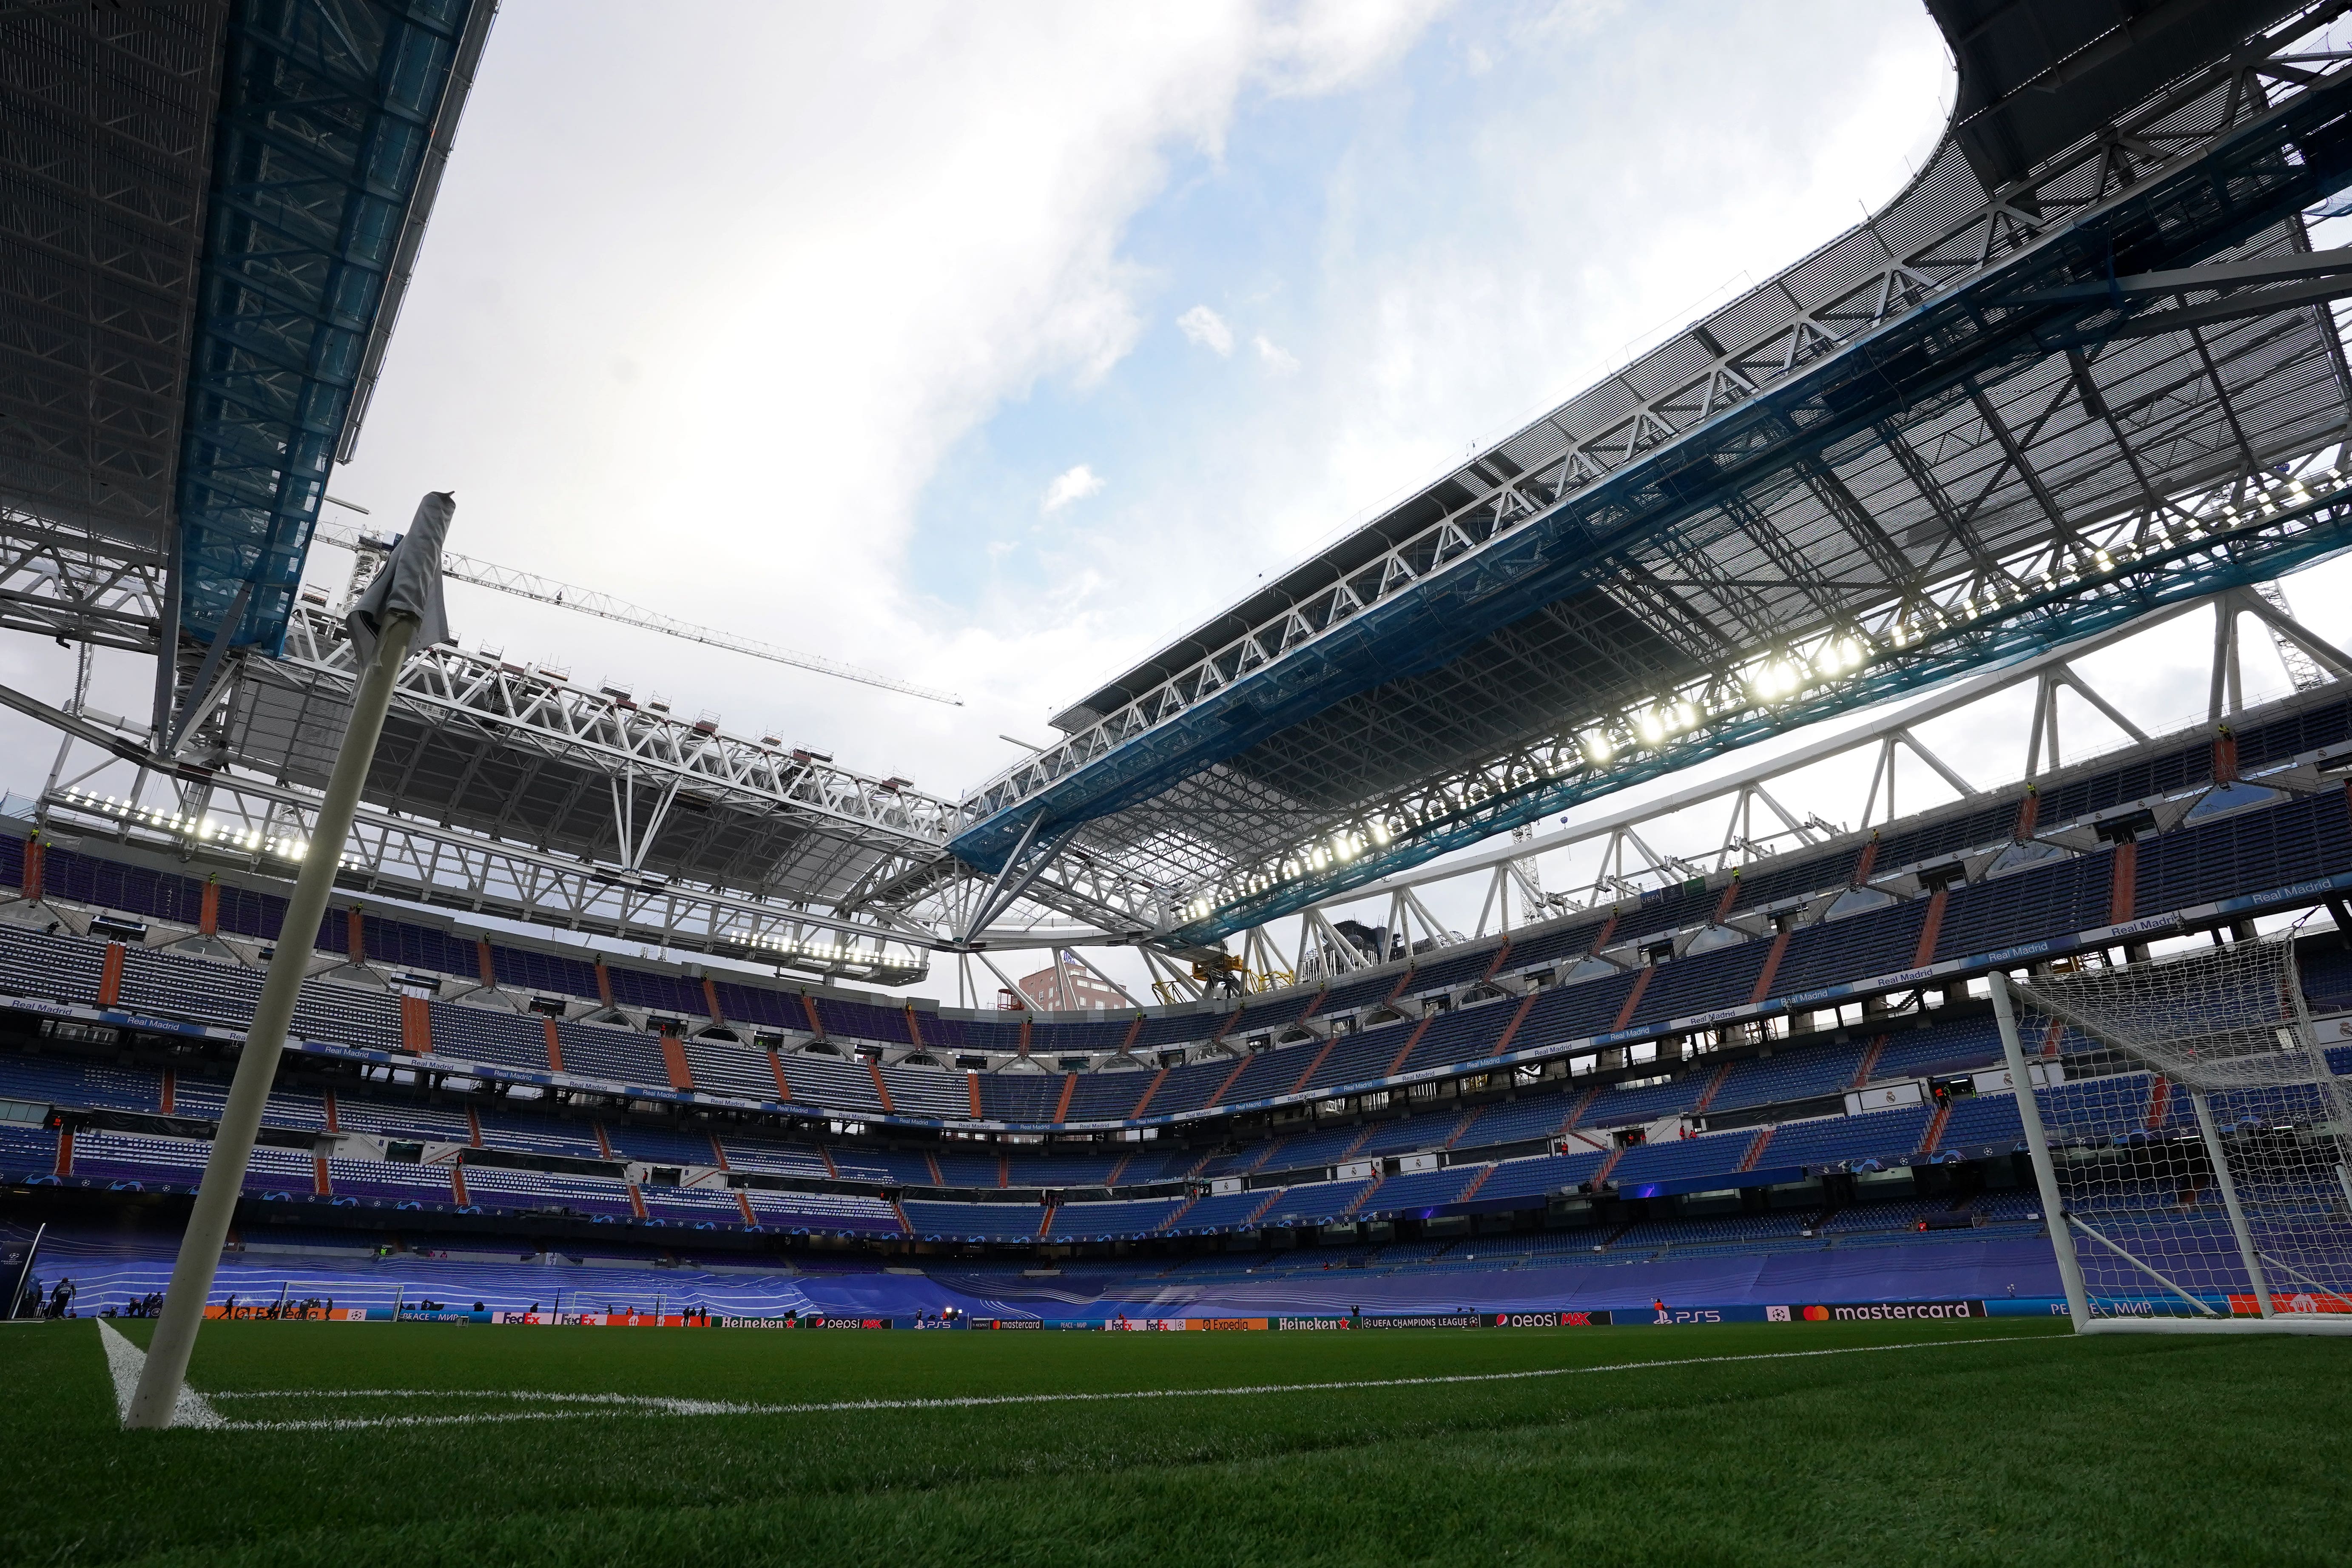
2280	1323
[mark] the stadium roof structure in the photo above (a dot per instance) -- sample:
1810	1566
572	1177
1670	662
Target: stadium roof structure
2077	374
2040	394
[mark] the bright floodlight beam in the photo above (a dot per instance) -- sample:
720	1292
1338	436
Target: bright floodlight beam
401	608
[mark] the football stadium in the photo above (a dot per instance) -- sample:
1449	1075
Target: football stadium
1458	1051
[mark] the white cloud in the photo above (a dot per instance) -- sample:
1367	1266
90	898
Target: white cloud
1279	360
1071	485
1206	327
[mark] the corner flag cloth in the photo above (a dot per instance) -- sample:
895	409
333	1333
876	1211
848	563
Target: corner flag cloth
410	582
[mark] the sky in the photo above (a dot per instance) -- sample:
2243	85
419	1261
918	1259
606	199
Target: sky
990	346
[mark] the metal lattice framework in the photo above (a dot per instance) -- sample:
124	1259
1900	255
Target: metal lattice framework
110	117
1907	452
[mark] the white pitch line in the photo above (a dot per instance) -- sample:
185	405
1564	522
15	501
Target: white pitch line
126	1361
653	1405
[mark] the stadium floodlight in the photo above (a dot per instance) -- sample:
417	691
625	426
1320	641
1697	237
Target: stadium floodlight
402	605
2196	1165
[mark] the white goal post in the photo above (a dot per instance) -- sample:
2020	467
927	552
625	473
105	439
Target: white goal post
2195	1165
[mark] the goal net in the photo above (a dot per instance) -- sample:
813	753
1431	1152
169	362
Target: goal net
2189	1141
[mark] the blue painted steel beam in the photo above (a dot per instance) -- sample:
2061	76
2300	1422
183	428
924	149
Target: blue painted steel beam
2053	619
326	108
1937	353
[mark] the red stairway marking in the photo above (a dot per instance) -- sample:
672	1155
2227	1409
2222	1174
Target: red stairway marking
1936	1128
743	1202
1024	1030
603	983
474	1127
673	1050
1329	1041
874	1071
915	1031
1362	1139
1511	1028
637	1202
1239	1068
1475	1183
904	1223
815	1020
933	1161
1869	1060
1258	1212
719	1154
826	1155
1601	938
1004	1170
35	853
1460	1128
355	935
65	1150
971	1086
208	911
1494	964
2125	889
710	1000
485	961
1419	1028
1313	1006
1112	1180
417	1026
1231	1020
2225	758
1713	1084
1576	1112
109	976
1133	1029
1149	1091
1358	1201
2050	1038
1179	1212
1772	967
2029	812
458	1184
1634	997
2160	1100
1756	1148
1730	892
319	1183
1045	1222
1406	978
554	1044
171	1086
604	1144
1865	861
1069	1088
776	1068
1607	1165
1931	929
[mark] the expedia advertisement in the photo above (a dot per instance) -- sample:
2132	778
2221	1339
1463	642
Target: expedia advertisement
1874	1312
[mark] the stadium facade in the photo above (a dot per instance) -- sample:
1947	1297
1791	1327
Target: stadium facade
2082	376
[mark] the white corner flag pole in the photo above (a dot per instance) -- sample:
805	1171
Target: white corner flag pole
393	628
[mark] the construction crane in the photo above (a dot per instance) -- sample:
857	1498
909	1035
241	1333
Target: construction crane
589	601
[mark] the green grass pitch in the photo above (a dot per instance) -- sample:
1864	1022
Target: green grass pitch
1962	1443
